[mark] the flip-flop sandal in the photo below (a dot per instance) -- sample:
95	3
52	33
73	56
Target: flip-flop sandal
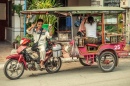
42	68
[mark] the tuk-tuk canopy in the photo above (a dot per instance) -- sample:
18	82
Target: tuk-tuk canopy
76	10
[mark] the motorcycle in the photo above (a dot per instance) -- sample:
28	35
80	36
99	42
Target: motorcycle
28	59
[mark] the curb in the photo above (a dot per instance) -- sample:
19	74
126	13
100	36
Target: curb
69	59
1	66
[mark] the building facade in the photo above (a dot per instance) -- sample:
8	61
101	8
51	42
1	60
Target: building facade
13	25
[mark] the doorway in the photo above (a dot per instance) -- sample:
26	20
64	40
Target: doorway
5	17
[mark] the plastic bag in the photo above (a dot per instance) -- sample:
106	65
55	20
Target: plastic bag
78	22
74	52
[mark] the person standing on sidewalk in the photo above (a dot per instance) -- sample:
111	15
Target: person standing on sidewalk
35	30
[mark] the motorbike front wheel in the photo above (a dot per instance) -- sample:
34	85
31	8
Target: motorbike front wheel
13	70
53	64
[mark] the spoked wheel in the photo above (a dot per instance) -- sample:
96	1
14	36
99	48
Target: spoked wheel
53	64
107	61
13	70
83	62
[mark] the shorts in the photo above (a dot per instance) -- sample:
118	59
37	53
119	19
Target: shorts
91	40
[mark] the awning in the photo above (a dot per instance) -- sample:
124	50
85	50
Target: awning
80	9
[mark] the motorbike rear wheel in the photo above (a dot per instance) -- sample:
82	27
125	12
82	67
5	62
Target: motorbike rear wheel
12	67
53	64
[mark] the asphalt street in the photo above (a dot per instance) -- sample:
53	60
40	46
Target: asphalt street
74	74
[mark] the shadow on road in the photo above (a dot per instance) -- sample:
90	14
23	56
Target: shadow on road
71	70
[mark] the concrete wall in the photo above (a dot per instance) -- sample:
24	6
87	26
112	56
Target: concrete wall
17	25
73	2
84	3
79	2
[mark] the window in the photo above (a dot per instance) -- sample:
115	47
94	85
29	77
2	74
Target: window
3	11
123	3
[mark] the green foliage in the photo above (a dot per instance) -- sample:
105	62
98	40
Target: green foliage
17	8
40	4
99	28
18	39
28	24
31	38
111	28
115	28
120	23
49	19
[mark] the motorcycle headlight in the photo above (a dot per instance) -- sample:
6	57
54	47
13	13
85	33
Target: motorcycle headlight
66	48
21	41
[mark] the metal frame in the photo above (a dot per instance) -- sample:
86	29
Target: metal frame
78	10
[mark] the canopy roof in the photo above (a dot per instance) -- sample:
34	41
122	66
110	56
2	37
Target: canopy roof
80	9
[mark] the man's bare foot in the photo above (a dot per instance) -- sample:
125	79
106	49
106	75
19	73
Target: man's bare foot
41	64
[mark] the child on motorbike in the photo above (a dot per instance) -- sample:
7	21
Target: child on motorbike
35	30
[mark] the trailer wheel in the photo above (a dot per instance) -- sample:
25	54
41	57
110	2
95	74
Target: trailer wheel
107	61
83	62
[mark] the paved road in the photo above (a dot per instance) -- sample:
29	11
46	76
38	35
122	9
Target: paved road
74	74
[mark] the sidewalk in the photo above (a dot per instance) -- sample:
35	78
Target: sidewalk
5	49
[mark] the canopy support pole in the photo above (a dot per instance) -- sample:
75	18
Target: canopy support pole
25	7
103	29
72	29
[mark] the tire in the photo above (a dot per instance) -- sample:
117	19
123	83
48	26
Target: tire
81	60
50	64
107	62
13	70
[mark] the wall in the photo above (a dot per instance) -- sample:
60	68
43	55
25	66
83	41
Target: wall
73	2
4	19
16	28
79	2
84	3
